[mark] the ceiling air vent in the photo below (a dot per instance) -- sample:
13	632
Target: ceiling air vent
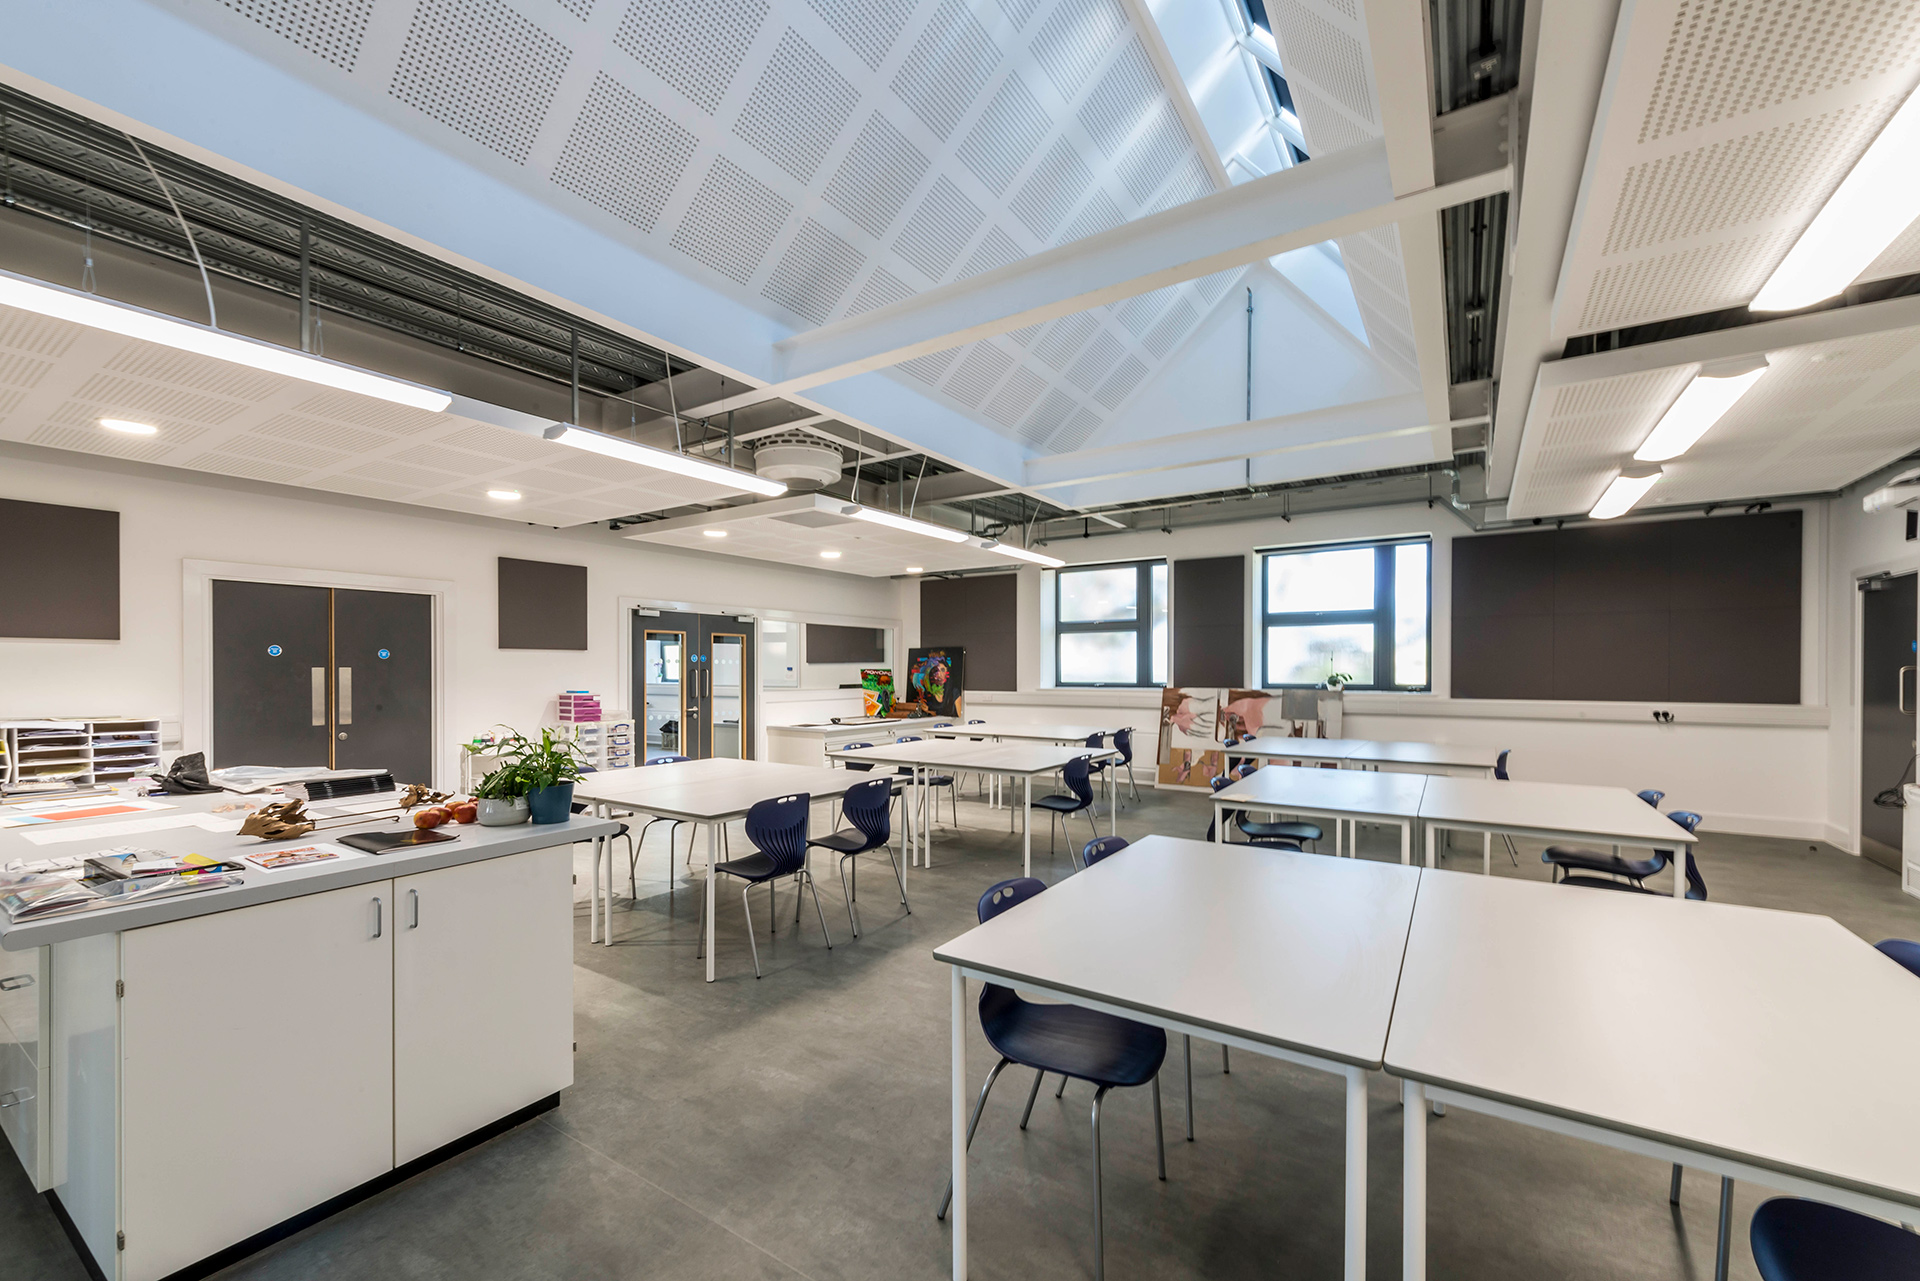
804	461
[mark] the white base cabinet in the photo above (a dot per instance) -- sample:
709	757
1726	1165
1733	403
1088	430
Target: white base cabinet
267	1059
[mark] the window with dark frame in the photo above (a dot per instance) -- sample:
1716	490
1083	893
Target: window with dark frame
1362	611
1110	625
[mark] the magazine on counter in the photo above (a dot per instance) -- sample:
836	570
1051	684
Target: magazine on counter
299	856
35	896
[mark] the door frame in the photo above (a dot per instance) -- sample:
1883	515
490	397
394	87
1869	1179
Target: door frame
623	633
1857	622
196	617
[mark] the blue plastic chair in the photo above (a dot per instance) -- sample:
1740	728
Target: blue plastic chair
1651	797
1080	800
933	780
1101	847
1080	1044
1239	817
1268	832
778	830
1799	1240
1566	859
1906	952
1696	884
868	807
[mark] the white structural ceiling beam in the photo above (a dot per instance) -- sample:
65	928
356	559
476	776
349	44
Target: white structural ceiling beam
1337	195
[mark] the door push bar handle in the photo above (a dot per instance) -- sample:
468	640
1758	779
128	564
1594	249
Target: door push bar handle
13	1098
1901	680
346	696
14	982
413	897
319	696
378	924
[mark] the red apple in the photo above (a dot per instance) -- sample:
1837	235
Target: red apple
465	812
432	817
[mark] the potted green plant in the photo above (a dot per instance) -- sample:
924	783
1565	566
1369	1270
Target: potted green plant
501	796
1338	680
540	774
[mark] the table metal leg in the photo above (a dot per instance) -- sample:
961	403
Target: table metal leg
1406	841
713	858
1026	825
1113	798
1356	1174
1219	824
1413	1182
958	1214
593	896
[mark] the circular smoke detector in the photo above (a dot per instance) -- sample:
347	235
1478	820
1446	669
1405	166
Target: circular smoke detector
805	462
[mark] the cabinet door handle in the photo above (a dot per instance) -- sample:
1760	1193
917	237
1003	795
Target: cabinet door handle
14	982
13	1098
378	924
413	896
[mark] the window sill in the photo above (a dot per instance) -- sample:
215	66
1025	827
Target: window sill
1785	715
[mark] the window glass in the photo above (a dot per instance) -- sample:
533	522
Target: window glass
1317	582
1410	613
1308	655
1088	658
1099	595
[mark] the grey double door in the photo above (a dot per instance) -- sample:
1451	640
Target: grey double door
694	685
1887	697
323	676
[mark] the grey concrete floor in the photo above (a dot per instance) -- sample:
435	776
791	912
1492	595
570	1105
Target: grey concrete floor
796	1125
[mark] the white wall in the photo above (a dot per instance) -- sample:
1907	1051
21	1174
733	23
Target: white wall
166	519
1761	770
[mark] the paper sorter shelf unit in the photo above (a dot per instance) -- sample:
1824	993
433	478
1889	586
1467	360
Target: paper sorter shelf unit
49	754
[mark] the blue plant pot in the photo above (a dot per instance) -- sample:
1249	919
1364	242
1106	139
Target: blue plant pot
551	804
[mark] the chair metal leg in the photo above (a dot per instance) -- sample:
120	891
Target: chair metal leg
1099	1242
813	890
747	908
1132	784
972	1125
1725	1243
773	920
1033	1094
1063	1088
1673	1189
1512	852
953	799
1226	1062
1186	1049
897	878
852	924
1091	825
1159	1132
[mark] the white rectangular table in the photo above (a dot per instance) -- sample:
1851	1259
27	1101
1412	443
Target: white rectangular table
1049	732
1753	1044
1002	760
1275	748
1424	758
1295	956
1549	812
1341	795
709	793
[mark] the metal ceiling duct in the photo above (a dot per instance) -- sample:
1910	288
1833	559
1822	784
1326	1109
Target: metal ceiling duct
804	461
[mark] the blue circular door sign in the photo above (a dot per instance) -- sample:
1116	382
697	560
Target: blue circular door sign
273	651
385	654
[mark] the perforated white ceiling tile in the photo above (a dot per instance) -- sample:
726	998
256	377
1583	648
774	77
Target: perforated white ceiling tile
1189	182
929	367
26	332
362	411
327	29
1121	382
814	273
1723	273
1211	287
942	225
1151	157
365	487
797	109
1097	215
868	26
1064	337
94	441
1018	12
1054	186
732	221
624	154
484	438
22	372
1047	417
1076	432
996	249
1096	362
1140	311
977	373
1327	54
128	398
1175	325
880	172
178	369
251	468
1071	43
881	288
1901	258
1015	397
304	457
1325	128
1003	139
1025	336
581	9
694	45
481	68
949	65
1121	98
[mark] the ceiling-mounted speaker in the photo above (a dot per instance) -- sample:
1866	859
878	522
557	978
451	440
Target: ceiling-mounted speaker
804	461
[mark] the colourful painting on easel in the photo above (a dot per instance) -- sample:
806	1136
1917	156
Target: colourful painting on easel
935	681
876	691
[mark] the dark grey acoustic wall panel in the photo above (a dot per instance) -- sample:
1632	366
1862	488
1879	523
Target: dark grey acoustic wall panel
979	614
1688	611
59	572
1210	622
542	605
827	643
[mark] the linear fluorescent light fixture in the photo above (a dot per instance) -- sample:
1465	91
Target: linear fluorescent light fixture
183	335
662	459
1019	553
905	523
1715	388
1873	204
1628	488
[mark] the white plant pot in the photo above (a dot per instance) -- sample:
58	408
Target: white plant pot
497	812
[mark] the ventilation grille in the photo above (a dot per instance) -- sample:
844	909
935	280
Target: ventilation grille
480	68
